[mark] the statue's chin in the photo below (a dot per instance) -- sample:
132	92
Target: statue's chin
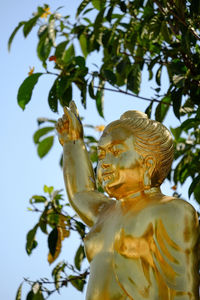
113	189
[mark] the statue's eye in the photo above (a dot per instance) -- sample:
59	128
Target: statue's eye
116	152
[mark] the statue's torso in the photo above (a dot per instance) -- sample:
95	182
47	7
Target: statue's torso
140	252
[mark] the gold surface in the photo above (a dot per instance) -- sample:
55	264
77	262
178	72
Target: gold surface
142	244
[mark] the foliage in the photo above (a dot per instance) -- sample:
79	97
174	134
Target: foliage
132	36
56	224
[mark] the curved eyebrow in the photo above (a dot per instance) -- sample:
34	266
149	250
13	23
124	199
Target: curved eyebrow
119	142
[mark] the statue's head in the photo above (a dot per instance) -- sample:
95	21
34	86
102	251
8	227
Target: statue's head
135	154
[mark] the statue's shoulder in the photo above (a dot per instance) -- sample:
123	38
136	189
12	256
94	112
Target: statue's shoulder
170	210
176	205
169	215
177	215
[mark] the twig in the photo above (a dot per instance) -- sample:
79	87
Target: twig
130	94
80	276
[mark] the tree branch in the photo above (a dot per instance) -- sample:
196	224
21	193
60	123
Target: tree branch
130	94
63	281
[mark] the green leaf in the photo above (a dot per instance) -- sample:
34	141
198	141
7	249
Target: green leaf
91	139
26	89
197	193
66	97
176	96
176	132
80	61
51	31
80	254
28	26
76	282
123	6
38	199
50	190
110	76
149	109
40	132
62	83
42	30
44	146
93	154
184	173
60	49
109	14
83	44
83	95
46	188
64	90
14	33
100	102
82	6
165	32
134	79
190	123
30	296
56	273
53	98
61	161
91	90
44	49
19	293
35	288
30	240
52	241
98	23
98	4
151	66
69	54
162	108
80	227
38	296
193	185
179	80
158	75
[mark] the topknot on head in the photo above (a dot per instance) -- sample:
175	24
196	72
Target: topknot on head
133	114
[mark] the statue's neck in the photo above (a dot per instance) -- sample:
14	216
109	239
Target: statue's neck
150	193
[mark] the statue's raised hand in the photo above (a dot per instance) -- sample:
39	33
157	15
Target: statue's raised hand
69	127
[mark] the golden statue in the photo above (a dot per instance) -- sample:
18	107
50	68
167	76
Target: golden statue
142	244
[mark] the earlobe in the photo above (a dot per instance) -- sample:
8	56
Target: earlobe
149	166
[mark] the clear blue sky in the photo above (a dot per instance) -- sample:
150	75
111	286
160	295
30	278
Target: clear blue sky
22	172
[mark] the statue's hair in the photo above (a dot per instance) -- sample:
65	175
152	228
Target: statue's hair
151	138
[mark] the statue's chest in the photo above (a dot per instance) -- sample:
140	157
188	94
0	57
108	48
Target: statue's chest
102	235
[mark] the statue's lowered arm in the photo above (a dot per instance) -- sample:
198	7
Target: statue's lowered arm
77	168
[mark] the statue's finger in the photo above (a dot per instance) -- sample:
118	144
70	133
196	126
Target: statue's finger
74	109
60	122
66	110
68	114
65	118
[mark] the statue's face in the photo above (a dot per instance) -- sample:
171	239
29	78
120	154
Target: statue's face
120	170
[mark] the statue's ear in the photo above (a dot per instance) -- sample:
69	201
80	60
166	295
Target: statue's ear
149	166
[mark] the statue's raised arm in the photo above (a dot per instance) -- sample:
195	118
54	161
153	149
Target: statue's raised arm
77	168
